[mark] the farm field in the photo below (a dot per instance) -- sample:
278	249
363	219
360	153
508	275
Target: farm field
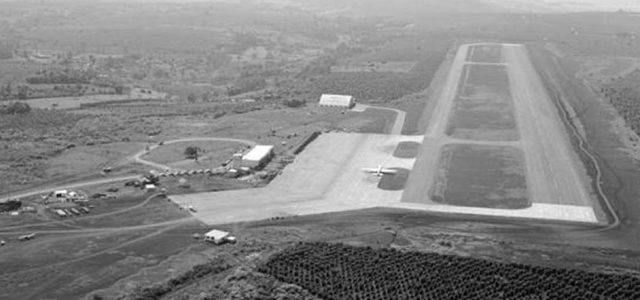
333	271
484	109
481	176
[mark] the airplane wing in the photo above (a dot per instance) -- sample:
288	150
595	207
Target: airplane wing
388	171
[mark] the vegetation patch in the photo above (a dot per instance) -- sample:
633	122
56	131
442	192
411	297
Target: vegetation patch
484	109
368	86
481	176
336	271
623	95
407	150
198	271
485	54
394	182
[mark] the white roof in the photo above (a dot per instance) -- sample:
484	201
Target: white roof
331	99
150	186
216	234
60	192
258	152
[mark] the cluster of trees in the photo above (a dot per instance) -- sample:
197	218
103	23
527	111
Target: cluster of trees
10	205
15	108
319	66
66	76
293	103
247	84
370	85
625	97
336	271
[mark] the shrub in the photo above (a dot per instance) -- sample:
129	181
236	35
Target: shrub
293	103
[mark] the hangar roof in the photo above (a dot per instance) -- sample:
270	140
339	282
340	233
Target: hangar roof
331	99
258	152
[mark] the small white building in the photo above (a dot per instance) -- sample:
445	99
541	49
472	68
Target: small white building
218	236
61	194
257	157
337	100
150	188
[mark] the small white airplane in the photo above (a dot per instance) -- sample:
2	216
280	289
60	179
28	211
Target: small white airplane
379	171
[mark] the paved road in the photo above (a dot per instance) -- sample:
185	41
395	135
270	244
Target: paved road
136	158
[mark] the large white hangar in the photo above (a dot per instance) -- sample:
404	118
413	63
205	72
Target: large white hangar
337	100
258	156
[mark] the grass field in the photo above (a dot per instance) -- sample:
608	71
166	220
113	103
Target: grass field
407	150
481	176
485	54
71	257
213	154
484	109
394	182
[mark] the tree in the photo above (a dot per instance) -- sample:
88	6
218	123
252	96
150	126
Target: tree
192	152
192	98
15	108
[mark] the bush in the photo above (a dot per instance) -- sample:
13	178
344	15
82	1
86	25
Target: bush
10	205
293	103
198	271
15	108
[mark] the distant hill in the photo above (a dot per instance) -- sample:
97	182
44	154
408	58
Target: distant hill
559	6
408	8
417	8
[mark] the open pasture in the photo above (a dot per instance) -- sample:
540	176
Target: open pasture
484	109
212	155
481	176
490	53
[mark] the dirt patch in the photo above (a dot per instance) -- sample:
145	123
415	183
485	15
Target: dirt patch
394	182
484	109
407	150
481	176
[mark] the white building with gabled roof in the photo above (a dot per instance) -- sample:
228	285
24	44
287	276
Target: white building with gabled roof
337	100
